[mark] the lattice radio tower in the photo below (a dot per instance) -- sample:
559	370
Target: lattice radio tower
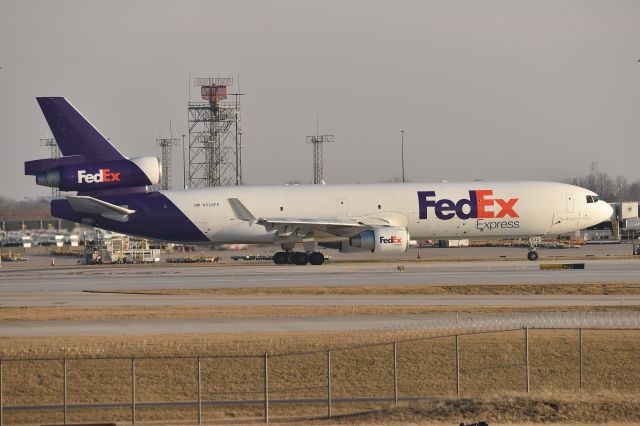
214	129
166	145
54	149
318	164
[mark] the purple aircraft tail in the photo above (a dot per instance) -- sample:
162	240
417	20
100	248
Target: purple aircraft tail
74	134
89	163
111	190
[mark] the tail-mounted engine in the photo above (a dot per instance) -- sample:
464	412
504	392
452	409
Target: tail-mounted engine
67	175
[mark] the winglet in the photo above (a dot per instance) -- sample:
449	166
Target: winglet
240	210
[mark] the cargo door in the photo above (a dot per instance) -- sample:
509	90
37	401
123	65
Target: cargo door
570	203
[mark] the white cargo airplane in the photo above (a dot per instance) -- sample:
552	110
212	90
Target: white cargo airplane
112	194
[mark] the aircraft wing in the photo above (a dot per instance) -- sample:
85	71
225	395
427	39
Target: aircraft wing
301	226
330	226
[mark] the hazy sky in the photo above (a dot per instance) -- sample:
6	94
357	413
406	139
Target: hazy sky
483	89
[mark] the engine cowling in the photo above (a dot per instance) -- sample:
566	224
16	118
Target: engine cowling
386	239
139	171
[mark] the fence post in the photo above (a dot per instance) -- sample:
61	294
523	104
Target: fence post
64	385
199	394
266	387
133	391
395	372
581	359
526	357
457	366
329	383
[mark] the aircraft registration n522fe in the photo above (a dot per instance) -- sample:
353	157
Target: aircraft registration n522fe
112	193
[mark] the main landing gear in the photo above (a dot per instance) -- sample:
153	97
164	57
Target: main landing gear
298	258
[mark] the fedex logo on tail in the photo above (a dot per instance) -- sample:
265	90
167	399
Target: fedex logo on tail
103	175
479	205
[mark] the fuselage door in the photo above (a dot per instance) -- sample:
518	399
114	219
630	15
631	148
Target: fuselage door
570	203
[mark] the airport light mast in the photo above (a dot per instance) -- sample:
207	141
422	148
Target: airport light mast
166	145
214	129
318	163
54	149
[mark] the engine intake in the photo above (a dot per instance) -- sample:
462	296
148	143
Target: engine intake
385	239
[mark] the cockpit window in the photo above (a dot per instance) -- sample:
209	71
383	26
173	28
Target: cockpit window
595	198
592	199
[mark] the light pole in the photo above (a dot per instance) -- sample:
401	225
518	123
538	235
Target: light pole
402	139
184	166
240	152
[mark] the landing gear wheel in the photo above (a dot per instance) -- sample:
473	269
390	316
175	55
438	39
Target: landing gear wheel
532	256
280	258
290	257
300	258
316	258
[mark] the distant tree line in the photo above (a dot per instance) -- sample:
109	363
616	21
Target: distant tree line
27	209
608	189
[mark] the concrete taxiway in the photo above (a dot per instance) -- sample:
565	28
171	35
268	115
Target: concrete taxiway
91	286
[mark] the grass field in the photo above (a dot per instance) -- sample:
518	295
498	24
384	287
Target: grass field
118	312
491	368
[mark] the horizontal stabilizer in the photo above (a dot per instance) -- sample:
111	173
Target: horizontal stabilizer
90	205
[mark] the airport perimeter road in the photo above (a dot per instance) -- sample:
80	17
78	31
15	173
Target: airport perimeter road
488	321
110	299
204	325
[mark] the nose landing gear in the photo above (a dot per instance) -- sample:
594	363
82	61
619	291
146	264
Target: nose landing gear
533	254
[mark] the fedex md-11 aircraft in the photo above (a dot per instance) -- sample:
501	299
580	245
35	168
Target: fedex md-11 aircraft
112	193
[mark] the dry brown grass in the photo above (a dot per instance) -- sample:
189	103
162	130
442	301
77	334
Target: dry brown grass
58	313
586	288
492	374
517	409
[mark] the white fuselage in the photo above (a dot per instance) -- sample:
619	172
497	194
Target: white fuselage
428	210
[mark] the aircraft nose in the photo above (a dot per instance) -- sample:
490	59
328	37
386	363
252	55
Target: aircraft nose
607	211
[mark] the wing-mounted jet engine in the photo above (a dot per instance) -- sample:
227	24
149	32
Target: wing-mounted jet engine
387	239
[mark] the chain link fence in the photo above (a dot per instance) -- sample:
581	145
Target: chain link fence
493	354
